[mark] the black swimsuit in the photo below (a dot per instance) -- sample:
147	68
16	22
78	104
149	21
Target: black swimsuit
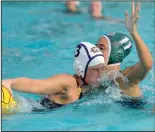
132	102
47	103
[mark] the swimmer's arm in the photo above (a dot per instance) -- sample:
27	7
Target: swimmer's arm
139	71
62	88
146	61
28	85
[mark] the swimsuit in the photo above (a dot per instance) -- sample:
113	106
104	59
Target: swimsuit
132	102
47	103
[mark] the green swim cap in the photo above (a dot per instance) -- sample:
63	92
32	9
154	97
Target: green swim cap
120	46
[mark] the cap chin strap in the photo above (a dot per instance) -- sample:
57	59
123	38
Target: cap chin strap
109	45
84	82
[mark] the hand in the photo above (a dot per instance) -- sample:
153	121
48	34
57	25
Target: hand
7	85
131	20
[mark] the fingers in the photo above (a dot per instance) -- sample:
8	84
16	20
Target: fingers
126	16
136	13
137	8
133	7
139	4
136	19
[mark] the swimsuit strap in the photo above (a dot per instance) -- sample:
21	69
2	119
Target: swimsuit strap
80	90
76	78
79	87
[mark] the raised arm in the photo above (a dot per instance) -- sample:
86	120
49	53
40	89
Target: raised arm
138	71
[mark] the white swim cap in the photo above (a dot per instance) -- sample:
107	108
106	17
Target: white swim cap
86	55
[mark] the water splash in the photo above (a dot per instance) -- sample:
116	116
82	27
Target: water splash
27	105
108	93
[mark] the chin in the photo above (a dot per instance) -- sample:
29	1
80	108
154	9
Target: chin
93	82
94	85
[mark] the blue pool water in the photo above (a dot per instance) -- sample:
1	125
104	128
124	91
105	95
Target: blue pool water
38	40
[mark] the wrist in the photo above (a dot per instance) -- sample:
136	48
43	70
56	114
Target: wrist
133	33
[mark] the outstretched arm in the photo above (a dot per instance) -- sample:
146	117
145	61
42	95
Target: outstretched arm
27	85
46	86
138	71
62	88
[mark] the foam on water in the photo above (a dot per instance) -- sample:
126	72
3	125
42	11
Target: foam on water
26	105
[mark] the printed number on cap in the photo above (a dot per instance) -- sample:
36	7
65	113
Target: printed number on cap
77	51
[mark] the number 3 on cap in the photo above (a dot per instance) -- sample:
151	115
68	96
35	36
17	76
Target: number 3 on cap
77	51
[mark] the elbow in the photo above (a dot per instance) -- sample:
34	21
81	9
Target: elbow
149	65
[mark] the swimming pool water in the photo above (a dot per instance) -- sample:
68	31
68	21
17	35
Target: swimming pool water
38	40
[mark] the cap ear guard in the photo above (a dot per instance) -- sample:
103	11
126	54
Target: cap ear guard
78	68
120	46
116	56
109	45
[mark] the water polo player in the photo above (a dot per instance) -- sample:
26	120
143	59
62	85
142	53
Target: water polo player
115	48
63	89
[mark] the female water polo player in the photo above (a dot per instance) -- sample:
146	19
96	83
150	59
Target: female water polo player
64	88
116	46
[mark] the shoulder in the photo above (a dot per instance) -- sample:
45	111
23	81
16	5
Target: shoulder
127	70
70	80
66	77
61	76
